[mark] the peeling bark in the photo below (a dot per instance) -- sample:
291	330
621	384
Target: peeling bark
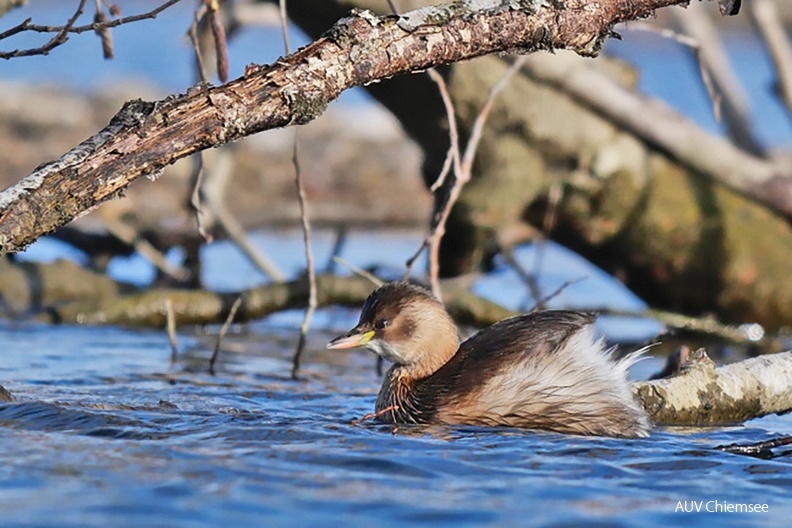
145	137
704	395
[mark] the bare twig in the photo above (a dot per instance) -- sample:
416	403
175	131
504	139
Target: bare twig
712	57
131	236
441	215
483	115
412	260
104	33
554	195
306	227
767	20
284	16
375	415
171	327
69	28
198	160
558	291
338	246
462	164
233	228
376	281
200	12
444	171
760	449
195	196
305	222
529	279
693	45
57	40
702	325
223	331
220	40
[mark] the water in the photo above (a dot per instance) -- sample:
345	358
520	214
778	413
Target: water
107	432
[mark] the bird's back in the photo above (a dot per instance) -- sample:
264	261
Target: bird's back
544	370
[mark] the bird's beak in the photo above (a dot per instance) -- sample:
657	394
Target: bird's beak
353	338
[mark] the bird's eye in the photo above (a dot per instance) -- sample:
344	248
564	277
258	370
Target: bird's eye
381	324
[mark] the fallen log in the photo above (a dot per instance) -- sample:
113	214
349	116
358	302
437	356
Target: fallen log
704	395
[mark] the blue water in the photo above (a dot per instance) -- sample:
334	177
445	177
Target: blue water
108	432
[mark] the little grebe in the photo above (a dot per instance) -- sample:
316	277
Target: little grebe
544	370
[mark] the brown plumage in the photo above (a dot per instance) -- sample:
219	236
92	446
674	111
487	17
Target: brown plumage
544	370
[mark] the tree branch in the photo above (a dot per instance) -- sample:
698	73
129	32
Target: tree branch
704	395
145	137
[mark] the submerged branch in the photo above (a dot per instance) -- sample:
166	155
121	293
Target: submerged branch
198	307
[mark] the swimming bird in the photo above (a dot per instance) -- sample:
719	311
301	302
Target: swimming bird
543	370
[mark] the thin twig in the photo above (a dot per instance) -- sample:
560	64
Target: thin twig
767	20
223	331
312	296
104	34
338	247
440	217
483	115
554	195
305	222
453	128
704	325
758	448
284	25
693	45
713	58
146	249
195	197
220	39
444	171
375	415
70	28
55	41
237	233
462	164
170	315
529	279
376	281
547	298
411	261
200	13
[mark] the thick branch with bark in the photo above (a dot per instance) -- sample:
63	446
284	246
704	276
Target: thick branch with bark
145	137
704	395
